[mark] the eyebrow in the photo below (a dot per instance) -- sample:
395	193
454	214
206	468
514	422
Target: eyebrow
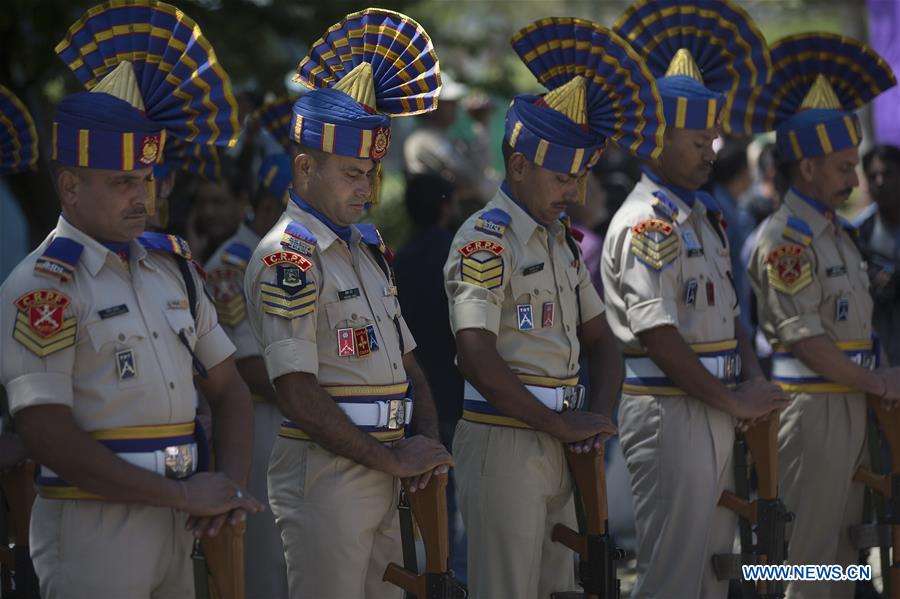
355	170
124	178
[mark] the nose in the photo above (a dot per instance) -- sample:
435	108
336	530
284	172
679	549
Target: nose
854	179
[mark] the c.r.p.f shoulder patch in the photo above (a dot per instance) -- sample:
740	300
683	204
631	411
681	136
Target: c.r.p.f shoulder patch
41	325
788	269
481	263
653	243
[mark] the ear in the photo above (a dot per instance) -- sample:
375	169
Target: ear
304	167
517	166
807	170
67	183
166	185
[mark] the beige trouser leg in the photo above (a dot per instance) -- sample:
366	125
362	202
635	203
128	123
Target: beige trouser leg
96	549
338	522
821	443
679	455
263	554
514	486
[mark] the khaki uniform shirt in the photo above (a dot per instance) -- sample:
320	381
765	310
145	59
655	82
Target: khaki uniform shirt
666	264
320	306
105	341
809	278
512	276
225	281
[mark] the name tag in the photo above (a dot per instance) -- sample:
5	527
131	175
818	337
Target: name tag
113	311
533	269
348	293
836	271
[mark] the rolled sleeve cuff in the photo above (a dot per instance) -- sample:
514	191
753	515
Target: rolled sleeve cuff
591	306
475	314
39	388
800	327
651	314
214	347
291	355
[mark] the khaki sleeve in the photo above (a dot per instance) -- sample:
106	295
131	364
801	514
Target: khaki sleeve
409	342
787	290
285	304
213	345
476	279
648	288
591	304
37	362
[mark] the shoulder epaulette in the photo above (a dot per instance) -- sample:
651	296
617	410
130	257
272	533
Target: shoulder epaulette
59	259
237	254
493	222
162	242
299	239
797	230
664	206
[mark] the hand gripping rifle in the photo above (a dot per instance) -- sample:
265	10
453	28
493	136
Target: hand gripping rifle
595	547
429	507
888	486
767	513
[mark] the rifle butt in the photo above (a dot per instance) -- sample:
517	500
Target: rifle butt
590	478
403	578
224	556
564	535
741	507
429	508
762	442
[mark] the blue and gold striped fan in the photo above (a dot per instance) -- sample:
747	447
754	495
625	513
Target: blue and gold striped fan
854	72
714	42
183	87
18	138
402	76
619	100
275	117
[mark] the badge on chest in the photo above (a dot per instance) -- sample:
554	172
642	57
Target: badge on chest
125	364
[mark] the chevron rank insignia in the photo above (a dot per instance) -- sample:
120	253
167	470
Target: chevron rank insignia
653	243
482	264
493	222
798	231
228	295
59	259
285	257
663	206
299	239
278	302
237	254
788	269
41	325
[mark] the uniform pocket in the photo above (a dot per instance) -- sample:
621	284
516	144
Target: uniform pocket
351	313
119	332
181	320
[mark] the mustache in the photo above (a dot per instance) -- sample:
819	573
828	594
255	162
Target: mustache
138	212
846	192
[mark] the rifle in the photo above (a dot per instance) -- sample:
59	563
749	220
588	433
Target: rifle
429	506
17	486
224	564
888	486
595	547
767	513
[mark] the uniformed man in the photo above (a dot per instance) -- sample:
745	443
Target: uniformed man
322	303
690	370
522	307
264	557
812	294
107	330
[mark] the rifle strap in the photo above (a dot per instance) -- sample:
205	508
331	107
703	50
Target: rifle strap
407	535
191	289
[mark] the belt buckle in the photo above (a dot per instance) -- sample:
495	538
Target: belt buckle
867	360
179	461
396	414
730	366
573	397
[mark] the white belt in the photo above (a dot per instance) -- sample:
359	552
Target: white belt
722	367
391	414
558	399
177	461
789	367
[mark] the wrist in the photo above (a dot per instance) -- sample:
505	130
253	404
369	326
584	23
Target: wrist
874	384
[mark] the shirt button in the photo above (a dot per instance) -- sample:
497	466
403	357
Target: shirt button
121	337
353	316
155	335
572	367
567	327
191	329
559	288
536	291
171	385
378	318
395	366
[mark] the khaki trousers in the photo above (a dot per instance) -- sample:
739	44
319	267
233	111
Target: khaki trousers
679	454
266	577
514	486
821	443
97	549
338	522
